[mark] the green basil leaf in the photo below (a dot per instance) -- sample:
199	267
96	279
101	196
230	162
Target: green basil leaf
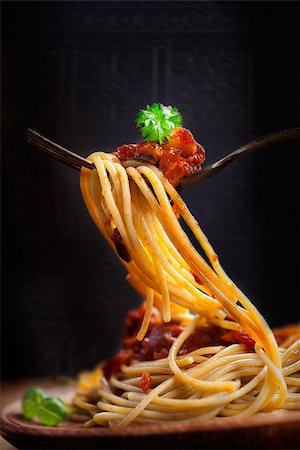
51	411
31	400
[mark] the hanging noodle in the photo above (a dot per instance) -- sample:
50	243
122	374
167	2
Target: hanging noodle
131	207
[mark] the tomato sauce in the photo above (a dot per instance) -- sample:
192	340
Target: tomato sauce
113	365
120	246
179	157
145	382
161	336
239	337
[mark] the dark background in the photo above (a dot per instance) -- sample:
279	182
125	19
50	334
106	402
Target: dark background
78	72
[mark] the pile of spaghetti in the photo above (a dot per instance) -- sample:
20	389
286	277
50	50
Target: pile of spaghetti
197	348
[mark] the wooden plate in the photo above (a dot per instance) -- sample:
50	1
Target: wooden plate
277	430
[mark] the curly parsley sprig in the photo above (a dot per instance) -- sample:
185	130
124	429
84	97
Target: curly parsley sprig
157	121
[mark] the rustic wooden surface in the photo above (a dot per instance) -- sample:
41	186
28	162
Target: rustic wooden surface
270	431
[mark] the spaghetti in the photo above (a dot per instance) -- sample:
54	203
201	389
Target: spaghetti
136	209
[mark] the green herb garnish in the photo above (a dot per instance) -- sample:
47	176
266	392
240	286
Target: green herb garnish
31	401
157	121
49	410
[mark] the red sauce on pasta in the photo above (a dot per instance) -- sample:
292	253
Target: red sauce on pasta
145	382
160	337
179	157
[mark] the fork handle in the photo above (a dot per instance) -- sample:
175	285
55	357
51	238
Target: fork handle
58	152
263	141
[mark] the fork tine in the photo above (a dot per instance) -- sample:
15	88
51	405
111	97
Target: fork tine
58	152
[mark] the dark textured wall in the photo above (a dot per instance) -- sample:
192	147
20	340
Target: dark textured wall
78	72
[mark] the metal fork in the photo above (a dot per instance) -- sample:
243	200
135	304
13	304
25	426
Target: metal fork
77	161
